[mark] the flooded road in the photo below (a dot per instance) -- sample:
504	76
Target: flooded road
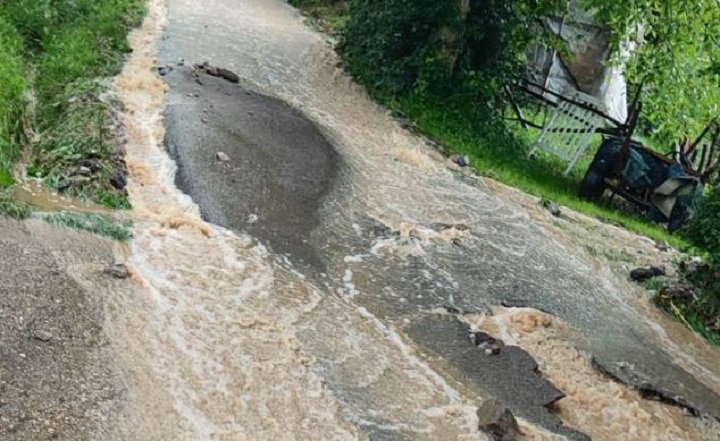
298	289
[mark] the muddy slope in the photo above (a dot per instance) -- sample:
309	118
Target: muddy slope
57	376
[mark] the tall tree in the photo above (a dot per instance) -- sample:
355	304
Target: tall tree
673	48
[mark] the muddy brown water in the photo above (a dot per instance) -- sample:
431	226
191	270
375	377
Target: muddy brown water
224	334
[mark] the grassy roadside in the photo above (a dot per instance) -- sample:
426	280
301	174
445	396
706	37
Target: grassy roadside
496	150
12	93
58	109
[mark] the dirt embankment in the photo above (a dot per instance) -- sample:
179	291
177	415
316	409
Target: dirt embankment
57	377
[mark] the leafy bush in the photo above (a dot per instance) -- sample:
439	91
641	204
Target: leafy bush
704	230
446	46
675	58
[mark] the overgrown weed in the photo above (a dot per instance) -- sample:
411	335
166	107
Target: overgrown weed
94	223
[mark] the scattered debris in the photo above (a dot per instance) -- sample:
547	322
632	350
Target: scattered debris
42	335
181	61
662	246
643	274
379	229
688	268
213	71
73	181
498	421
551	206
485	341
440	226
252	219
677	293
94	165
118	270
222	157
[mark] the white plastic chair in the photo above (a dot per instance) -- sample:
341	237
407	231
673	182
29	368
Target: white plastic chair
570	129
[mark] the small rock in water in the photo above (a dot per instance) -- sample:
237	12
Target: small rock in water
118	270
222	156
662	246
252	219
228	75
42	335
119	181
164	70
643	274
181	62
452	309
461	160
498	421
552	207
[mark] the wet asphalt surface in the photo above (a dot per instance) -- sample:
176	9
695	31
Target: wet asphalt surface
279	171
274	187
279	168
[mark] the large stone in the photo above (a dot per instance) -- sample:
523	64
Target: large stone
510	376
498	421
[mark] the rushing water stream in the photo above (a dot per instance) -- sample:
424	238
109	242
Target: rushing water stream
221	338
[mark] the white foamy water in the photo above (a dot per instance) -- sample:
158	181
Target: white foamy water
208	334
220	339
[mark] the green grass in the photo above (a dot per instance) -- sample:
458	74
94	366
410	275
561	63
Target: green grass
6	179
13	87
699	312
13	209
81	132
695	316
93	223
66	47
